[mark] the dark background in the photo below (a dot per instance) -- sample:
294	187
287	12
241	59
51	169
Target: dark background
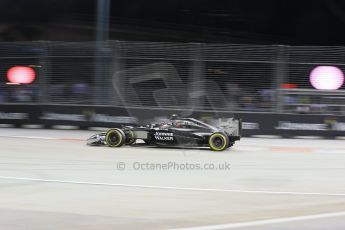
291	22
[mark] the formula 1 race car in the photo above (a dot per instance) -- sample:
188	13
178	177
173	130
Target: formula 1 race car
174	132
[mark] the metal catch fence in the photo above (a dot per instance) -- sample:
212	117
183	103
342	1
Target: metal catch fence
230	77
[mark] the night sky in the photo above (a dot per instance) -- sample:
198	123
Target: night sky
294	22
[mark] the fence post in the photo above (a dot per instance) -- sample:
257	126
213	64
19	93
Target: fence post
102	35
42	79
196	86
281	68
115	76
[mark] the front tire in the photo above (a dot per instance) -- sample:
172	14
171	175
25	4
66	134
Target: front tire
218	141
130	136
115	138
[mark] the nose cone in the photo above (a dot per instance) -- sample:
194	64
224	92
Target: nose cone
93	140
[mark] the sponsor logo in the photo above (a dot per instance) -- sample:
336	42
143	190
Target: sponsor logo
334	125
250	125
86	117
287	125
13	116
63	117
338	126
113	119
164	136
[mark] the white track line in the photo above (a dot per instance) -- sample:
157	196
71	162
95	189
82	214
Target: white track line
173	188
30	137
264	222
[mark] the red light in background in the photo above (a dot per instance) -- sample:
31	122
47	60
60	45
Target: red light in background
288	86
21	75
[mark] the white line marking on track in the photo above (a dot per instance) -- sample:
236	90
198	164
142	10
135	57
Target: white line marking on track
264	222
172	188
30	137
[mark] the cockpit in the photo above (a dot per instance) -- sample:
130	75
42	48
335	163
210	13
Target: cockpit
182	124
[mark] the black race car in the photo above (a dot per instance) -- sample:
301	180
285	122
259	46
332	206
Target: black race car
174	132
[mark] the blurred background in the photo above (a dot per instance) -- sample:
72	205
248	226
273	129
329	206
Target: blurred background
71	68
238	57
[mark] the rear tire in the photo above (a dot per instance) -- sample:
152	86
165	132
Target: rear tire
115	138
218	141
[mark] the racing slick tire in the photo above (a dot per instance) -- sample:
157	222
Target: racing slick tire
218	141
130	136
115	138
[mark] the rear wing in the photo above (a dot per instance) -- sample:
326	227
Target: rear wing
230	125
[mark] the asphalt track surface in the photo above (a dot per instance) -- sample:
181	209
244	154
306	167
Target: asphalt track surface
49	179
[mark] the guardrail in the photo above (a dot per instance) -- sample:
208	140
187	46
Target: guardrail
311	101
285	125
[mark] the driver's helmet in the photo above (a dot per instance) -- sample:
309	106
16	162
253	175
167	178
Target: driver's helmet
173	117
164	125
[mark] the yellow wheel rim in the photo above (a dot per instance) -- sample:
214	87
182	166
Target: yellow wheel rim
131	135
214	147
108	134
